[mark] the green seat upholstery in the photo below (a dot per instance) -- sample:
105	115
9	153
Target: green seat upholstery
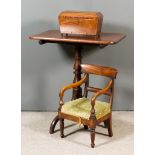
81	108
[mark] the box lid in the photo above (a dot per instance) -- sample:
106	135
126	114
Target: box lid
81	14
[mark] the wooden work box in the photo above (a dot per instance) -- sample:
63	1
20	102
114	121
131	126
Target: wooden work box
80	23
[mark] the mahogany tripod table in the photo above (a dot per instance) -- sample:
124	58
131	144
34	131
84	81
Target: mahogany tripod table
54	36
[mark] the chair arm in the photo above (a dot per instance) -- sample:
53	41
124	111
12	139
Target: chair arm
93	99
100	92
73	85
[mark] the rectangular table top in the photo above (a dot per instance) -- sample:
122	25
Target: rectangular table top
55	36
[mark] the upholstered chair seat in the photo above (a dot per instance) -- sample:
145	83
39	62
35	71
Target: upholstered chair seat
81	108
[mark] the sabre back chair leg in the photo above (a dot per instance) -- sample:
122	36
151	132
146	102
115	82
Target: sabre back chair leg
106	124
53	124
110	127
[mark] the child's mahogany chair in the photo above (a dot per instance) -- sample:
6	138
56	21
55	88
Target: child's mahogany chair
89	112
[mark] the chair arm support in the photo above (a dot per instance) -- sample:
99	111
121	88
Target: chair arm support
73	85
100	92
93	99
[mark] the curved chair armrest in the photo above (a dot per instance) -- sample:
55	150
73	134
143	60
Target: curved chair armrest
100	92
73	85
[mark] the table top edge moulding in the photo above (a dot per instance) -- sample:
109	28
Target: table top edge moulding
55	36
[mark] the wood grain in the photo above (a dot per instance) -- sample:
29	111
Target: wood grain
54	36
80	23
99	70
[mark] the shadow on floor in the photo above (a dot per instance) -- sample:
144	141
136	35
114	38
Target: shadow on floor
121	128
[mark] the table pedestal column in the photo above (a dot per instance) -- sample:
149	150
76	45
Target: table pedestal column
77	92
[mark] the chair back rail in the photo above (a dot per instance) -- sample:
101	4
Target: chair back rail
93	89
99	70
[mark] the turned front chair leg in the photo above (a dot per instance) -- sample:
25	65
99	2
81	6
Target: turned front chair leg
92	135
110	127
61	127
